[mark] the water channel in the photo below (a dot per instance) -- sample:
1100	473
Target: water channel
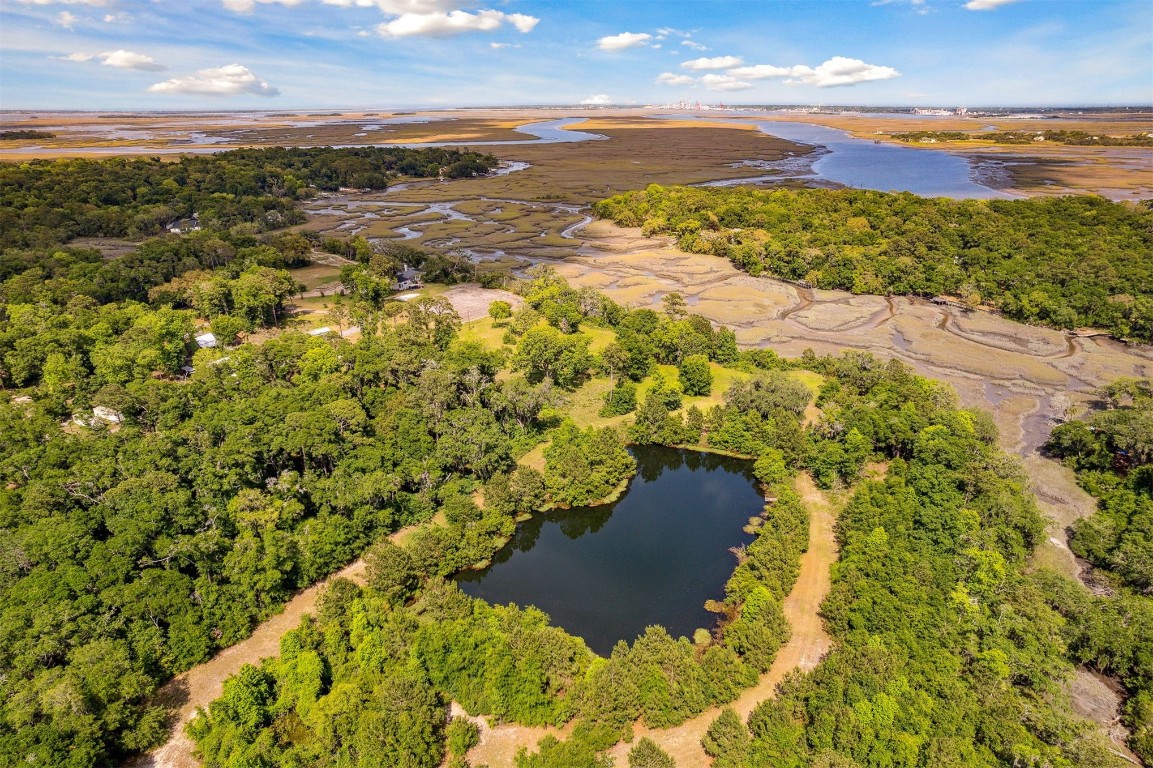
652	557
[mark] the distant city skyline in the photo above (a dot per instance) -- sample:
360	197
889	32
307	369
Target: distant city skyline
436	54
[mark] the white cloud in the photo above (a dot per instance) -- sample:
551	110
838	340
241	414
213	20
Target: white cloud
623	41
246	6
129	60
120	59
762	71
522	22
840	70
725	83
598	100
672	78
498	46
694	45
986	5
64	2
715	62
441	24
398	7
66	19
229	80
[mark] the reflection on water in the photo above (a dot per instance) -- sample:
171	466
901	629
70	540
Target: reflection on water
653	557
862	164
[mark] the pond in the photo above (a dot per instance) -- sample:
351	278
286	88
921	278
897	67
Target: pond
652	557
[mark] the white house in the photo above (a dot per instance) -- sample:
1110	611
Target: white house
408	279
206	341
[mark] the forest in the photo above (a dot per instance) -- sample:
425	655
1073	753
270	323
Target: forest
1111	450
47	202
1065	262
1072	138
134	552
25	134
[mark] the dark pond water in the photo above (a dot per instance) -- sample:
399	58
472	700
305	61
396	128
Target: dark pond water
652	557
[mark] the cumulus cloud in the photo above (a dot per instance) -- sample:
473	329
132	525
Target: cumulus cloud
247	6
120	59
397	7
130	60
840	70
761	71
415	18
597	100
725	83
624	40
715	62
986	5
672	78
694	45
441	24
66	19
229	80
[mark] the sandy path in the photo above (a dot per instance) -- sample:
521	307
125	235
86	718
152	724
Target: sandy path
807	645
200	685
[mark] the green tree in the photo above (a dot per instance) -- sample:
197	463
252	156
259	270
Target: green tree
696	377
646	754
500	310
390	571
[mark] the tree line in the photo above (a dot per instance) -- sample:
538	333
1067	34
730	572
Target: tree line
1063	261
1072	138
47	202
1112	452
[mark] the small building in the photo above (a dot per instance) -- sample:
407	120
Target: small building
408	279
206	341
187	370
185	225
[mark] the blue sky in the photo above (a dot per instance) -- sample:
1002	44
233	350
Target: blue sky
389	54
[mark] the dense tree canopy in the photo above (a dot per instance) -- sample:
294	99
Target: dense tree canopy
1112	451
947	652
44	202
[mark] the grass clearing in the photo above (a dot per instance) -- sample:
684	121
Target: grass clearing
486	331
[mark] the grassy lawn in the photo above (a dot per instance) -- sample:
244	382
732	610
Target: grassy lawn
486	331
316	275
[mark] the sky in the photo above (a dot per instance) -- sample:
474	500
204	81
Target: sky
396	54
